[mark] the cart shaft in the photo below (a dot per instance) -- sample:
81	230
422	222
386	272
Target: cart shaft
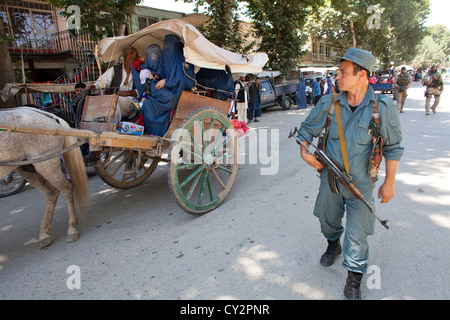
96	139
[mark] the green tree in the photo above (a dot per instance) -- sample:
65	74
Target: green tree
440	35
339	23
434	48
279	25
223	28
389	29
406	20
100	18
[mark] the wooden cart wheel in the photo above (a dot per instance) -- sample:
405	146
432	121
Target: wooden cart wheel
203	160
124	168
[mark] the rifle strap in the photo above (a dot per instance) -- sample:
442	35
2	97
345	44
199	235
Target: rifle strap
327	124
375	125
341	137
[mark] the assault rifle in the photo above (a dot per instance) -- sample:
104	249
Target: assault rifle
335	173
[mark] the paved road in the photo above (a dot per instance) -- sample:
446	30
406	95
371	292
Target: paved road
262	243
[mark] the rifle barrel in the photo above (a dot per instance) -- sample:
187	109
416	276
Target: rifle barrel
348	183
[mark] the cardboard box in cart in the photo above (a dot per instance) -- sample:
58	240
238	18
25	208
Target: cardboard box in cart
130	128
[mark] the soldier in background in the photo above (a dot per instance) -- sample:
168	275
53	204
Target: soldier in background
435	87
402	82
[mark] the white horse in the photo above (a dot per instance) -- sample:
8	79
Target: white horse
46	176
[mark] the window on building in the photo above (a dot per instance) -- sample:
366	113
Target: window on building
315	47
328	51
144	22
322	50
22	28
29	24
44	27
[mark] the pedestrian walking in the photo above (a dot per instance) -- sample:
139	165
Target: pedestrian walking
300	96
254	102
322	86
316	90
356	105
328	84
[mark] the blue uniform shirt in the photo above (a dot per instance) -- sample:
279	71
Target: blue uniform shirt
358	140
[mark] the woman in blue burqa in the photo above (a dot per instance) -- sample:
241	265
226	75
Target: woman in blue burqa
146	70
316	90
164	93
300	96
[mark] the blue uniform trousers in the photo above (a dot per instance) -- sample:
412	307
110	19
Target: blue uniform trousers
330	208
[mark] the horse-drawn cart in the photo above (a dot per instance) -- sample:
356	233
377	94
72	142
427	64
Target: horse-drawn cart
200	146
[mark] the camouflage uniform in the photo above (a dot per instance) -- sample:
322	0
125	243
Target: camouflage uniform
434	88
402	83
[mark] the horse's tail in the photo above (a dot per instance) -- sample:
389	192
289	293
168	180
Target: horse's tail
77	171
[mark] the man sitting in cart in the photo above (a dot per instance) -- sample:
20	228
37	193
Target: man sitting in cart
120	77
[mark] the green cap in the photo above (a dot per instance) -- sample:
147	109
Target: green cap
361	57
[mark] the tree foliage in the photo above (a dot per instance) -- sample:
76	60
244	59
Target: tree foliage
223	28
434	48
279	25
389	29
100	18
440	35
276	24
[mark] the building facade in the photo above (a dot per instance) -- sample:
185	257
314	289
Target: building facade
51	53
38	36
319	54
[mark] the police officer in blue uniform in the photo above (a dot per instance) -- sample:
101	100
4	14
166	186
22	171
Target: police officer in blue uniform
356	109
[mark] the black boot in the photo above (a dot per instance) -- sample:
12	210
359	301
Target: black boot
333	250
352	290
